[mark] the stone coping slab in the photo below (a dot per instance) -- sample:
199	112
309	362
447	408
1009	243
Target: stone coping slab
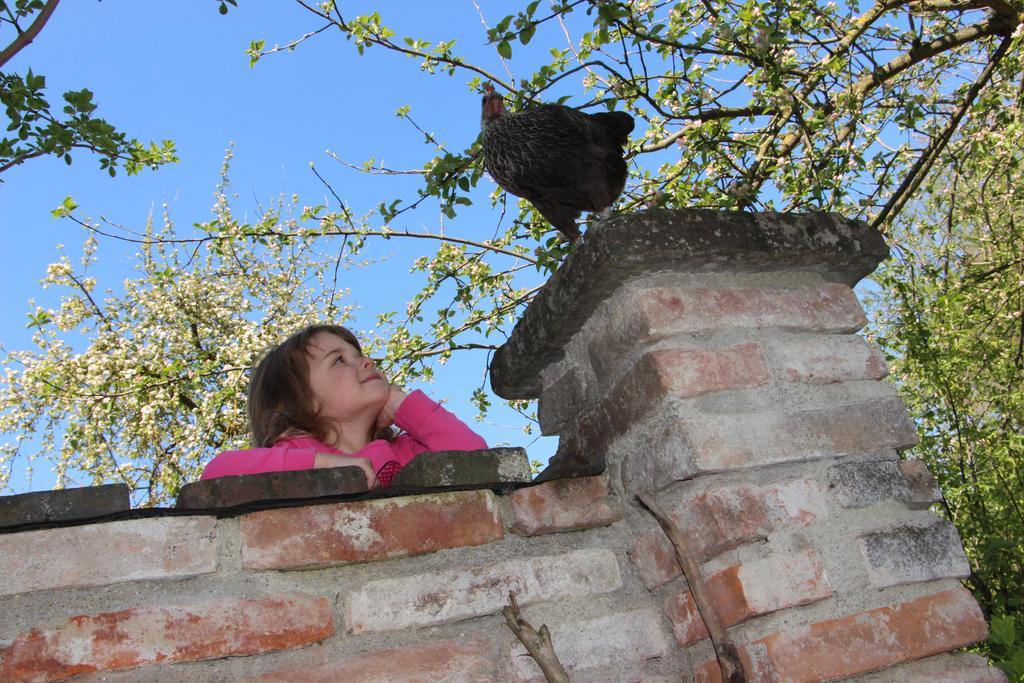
64	505
499	469
230	492
681	241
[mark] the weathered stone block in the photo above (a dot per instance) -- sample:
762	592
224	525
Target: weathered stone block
961	668
457	594
910	554
493	466
66	505
229	492
560	402
923	490
859	484
825	359
592	645
144	635
100	554
344	533
446	661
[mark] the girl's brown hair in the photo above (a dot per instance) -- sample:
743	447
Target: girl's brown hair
280	400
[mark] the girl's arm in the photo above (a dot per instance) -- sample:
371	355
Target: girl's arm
279	458
324	460
434	427
282	458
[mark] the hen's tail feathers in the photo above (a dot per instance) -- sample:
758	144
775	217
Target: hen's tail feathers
569	229
619	125
559	216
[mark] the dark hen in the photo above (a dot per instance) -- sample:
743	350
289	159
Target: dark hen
561	160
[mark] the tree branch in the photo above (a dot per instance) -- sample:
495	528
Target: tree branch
537	643
383	42
758	174
924	162
728	656
23	39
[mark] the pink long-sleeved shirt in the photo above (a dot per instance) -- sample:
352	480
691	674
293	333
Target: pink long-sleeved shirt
428	427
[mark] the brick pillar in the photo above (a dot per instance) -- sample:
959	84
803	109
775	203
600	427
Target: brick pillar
712	359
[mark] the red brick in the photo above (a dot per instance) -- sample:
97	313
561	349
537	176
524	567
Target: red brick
145	635
653	313
562	505
655	559
726	517
685	372
763	586
748	590
447	661
345	533
687	624
859	643
112	552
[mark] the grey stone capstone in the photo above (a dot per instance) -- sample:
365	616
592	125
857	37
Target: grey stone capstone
63	506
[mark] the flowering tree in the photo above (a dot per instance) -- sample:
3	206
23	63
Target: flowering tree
161	382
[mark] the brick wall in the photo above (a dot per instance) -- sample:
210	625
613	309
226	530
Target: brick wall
405	588
708	360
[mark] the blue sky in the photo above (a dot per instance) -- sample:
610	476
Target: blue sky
179	70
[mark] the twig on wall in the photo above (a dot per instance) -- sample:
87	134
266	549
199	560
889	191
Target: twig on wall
728	655
537	643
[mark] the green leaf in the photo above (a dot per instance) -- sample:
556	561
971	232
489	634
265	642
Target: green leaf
504	49
65	209
1003	630
527	33
255	51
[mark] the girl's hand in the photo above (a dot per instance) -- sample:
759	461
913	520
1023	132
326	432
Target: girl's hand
324	460
386	417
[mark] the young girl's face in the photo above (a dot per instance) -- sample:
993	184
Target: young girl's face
345	384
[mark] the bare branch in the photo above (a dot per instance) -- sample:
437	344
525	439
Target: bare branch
537	643
924	162
728	656
23	39
384	42
334	231
768	156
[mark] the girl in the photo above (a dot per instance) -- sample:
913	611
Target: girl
315	401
